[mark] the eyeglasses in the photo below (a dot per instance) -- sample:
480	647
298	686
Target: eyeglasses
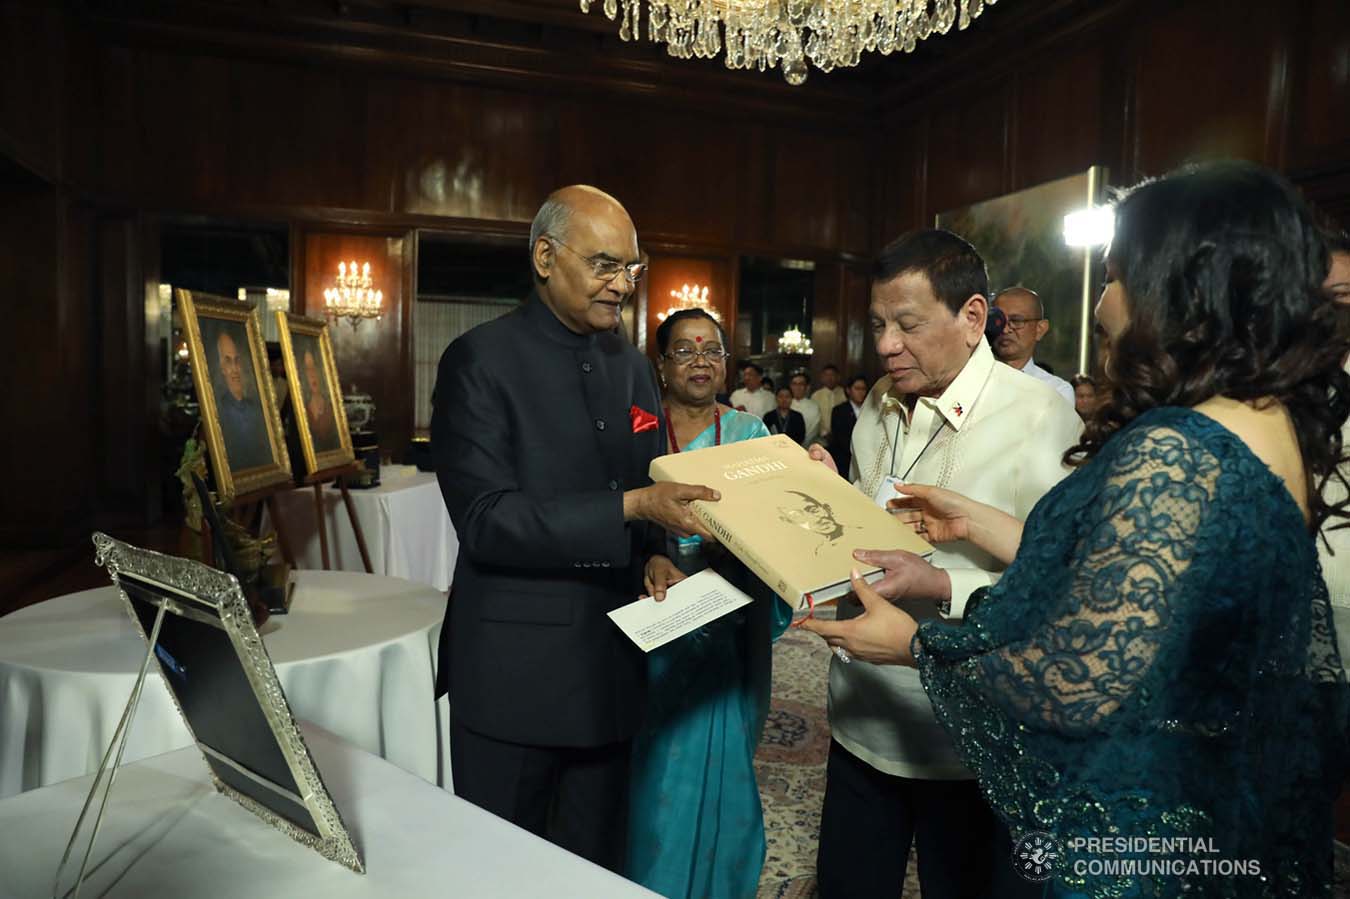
1017	323
607	269
684	355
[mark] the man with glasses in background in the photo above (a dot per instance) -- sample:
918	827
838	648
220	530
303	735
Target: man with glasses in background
545	479
1027	324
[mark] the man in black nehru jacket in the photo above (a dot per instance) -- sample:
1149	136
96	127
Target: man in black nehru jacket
543	426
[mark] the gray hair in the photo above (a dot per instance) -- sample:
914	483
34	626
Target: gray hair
552	218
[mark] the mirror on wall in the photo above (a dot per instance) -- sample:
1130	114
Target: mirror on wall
775	305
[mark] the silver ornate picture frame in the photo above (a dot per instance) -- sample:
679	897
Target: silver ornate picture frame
222	681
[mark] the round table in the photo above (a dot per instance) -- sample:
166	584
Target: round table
356	655
407	530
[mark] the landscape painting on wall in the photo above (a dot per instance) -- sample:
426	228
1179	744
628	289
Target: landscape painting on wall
1021	237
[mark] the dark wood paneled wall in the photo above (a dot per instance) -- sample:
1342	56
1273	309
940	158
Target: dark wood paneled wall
192	128
1318	125
112	114
186	127
33	86
48	450
1140	87
130	366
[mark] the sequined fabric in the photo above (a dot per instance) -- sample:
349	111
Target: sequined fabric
1159	661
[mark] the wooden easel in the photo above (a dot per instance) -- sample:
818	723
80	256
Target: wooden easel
269	495
317	480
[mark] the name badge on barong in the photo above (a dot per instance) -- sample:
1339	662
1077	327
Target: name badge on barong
886	491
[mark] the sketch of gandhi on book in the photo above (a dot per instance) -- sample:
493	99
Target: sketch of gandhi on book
810	514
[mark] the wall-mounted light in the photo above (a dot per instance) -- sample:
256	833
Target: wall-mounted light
352	296
689	298
1091	227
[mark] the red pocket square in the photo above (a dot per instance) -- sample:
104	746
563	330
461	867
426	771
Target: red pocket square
643	420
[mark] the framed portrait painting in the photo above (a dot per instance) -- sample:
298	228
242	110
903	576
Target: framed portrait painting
234	391
315	391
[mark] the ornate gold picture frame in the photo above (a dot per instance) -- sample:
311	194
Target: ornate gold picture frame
234	391
316	392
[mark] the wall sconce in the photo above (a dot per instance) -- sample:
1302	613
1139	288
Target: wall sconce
351	297
689	298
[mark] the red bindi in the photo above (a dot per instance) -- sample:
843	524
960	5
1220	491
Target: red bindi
698	340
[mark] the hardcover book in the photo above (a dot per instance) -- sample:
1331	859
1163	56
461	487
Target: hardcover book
790	519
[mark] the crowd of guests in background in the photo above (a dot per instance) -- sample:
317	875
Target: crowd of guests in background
1125	629
826	416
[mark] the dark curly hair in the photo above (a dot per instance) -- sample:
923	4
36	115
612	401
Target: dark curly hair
1223	265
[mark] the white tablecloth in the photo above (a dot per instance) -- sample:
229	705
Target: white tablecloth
168	834
407	530
356	655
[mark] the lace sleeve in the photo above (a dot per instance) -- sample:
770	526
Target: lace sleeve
1164	619
1067	636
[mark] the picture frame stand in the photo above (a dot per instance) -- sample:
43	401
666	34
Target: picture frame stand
268	495
196	619
336	475
118	743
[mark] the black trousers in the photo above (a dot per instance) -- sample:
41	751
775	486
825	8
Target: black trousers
575	798
871	818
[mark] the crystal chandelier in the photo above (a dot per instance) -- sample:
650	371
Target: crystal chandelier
792	343
689	298
352	298
761	34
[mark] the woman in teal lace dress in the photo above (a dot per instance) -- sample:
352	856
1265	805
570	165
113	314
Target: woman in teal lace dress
695	824
1159	660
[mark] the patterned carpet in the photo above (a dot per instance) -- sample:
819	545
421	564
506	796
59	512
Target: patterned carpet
790	765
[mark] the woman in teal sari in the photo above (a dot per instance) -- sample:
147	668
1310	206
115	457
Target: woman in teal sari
1152	696
695	824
